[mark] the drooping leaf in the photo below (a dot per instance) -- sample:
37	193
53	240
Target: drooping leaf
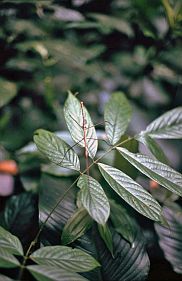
167	126
7	260
10	243
170	238
155	170
74	115
94	199
106	235
76	226
154	148
123	223
48	273
20	216
8	90
130	191
117	115
56	150
72	260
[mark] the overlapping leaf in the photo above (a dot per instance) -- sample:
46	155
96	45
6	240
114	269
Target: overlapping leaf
106	235
117	116
72	260
56	150
167	126
10	243
133	193
94	199
7	260
170	238
155	170
74	115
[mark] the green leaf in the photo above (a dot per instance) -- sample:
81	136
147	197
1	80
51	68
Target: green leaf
154	148
170	238
74	119
106	236
130	191
94	199
117	115
167	126
8	91
47	273
76	226
5	278
56	150
10	243
155	170
72	260
123	223
7	260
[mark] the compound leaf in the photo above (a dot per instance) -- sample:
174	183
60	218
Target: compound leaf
10	243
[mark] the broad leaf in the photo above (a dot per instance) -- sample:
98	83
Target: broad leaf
154	148
8	90
170	239
56	150
76	226
7	260
167	126
106	235
76	117
117	116
155	170
47	273
72	260
130	191
94	199
10	243
123	223
5	278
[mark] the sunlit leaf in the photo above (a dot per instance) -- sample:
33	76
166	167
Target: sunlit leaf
74	116
94	199
76	226
130	191
48	273
72	260
56	150
167	126
8	90
117	116
106	235
10	243
7	260
155	170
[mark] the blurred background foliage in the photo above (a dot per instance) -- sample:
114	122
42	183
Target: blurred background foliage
94	48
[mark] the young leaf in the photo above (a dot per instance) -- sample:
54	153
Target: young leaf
154	148
73	113
117	116
122	221
10	243
106	236
130	191
155	170
48	273
72	260
56	150
7	260
76	226
167	126
94	199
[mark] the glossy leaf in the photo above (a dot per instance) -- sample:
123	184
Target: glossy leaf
7	260
56	150
170	238
123	223
167	126
106	235
94	199
10	243
72	260
76	226
155	170
117	116
48	273
130	191
74	119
